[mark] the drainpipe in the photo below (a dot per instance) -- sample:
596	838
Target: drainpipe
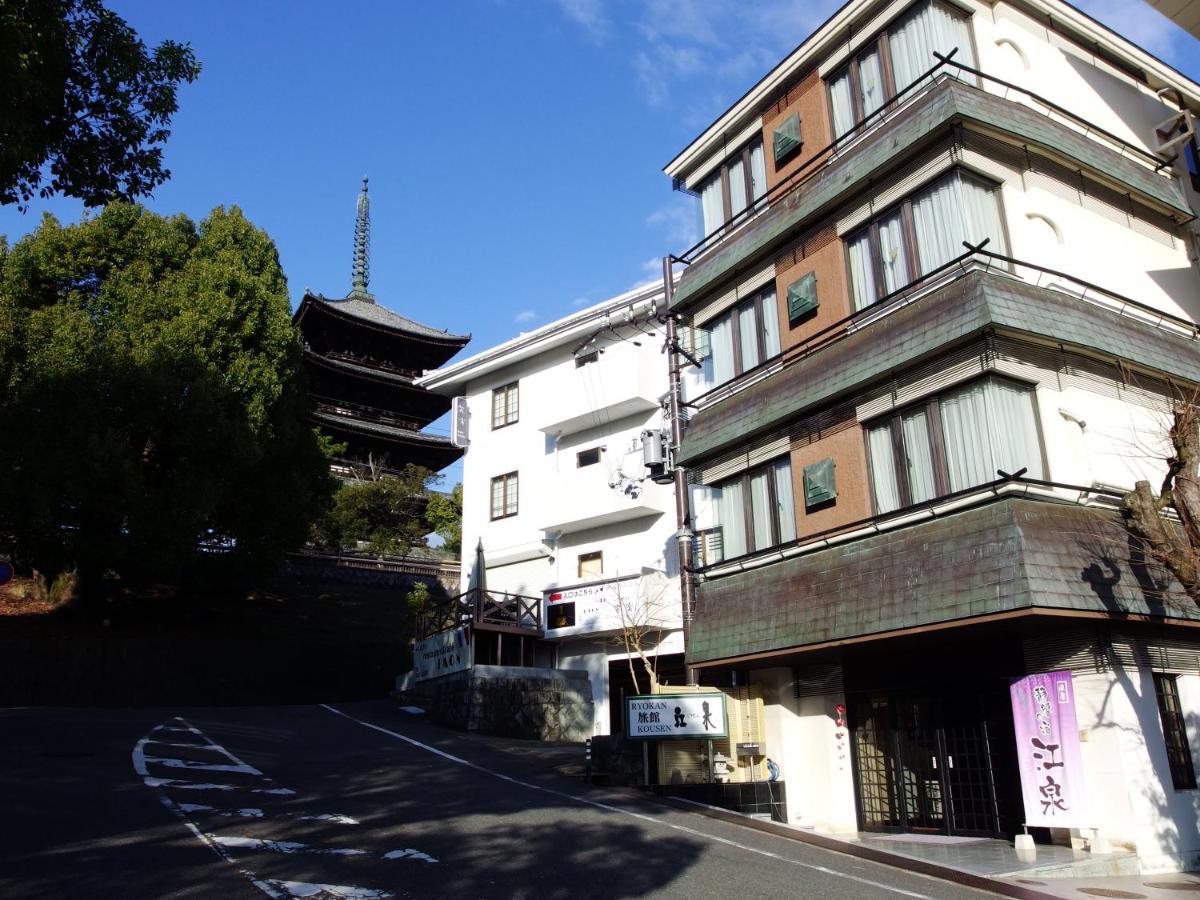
683	512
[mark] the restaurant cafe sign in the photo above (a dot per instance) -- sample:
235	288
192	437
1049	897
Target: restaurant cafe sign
442	654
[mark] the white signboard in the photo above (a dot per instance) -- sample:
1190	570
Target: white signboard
633	602
676	716
442	654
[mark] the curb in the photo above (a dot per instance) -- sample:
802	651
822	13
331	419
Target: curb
895	860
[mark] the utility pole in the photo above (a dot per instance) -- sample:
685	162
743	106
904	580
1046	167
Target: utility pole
683	510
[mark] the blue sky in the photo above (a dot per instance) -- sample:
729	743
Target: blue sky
514	147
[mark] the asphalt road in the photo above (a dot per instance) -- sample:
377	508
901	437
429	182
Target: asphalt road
361	801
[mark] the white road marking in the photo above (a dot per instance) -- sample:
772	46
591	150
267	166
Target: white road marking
184	746
249	843
309	889
617	809
409	854
172	763
250	812
336	818
177	784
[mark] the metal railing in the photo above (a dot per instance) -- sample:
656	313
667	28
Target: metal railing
975	258
334	406
926	81
1007	485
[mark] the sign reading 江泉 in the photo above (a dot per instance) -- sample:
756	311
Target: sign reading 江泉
1048	750
668	716
442	654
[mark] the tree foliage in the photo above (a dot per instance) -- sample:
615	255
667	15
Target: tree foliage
445	518
151	396
1173	541
84	106
385	511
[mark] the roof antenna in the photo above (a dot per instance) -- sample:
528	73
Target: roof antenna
361	271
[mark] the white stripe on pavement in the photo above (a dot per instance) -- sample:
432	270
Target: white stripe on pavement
625	812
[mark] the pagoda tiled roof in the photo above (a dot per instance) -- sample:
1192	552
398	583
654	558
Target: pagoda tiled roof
371	312
391	432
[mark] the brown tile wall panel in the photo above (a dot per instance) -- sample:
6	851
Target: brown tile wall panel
808	97
849	456
819	251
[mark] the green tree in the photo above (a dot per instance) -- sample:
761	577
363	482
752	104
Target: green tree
385	511
152	399
445	517
84	106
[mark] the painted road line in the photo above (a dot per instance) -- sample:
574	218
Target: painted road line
239	842
182	745
250	812
172	763
575	798
311	889
336	818
177	784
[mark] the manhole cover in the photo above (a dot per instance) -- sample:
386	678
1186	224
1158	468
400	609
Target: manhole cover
1112	892
1172	885
66	754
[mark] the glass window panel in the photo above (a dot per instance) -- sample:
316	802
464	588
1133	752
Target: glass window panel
785	507
731	516
510	500
1012	426
862	274
770	324
712	205
842	102
748	335
758	171
883	468
918	455
737	187
937	220
891	249
964	428
761	513
719	365
913	40
870	81
981	213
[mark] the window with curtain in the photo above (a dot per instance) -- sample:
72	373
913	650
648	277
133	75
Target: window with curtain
954	441
897	57
742	338
738	183
755	510
922	232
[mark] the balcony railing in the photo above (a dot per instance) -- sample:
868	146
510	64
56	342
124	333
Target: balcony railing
483	611
337	407
933	76
1007	485
975	258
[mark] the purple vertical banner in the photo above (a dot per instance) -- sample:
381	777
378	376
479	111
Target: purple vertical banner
1048	752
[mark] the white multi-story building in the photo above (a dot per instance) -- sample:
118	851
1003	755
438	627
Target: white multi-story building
948	295
555	488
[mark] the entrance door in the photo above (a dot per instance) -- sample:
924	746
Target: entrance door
924	765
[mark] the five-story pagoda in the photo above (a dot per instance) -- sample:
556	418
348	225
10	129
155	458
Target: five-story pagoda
362	361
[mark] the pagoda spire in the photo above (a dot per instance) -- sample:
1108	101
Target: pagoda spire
361	272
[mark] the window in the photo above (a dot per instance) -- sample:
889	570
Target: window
922	232
504	495
1170	712
952	442
742	338
895	59
591	565
505	406
755	510
587	457
738	182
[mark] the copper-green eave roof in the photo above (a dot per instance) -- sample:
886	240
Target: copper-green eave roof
977	301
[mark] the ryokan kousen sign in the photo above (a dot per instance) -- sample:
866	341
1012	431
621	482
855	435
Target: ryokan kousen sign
675	716
442	654
1048	753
